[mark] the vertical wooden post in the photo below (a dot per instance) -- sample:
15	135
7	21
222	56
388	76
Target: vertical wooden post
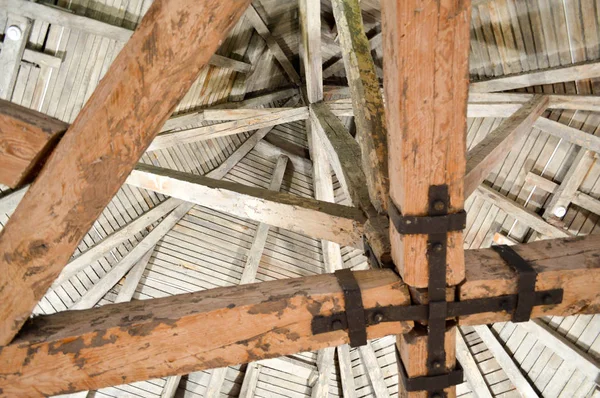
426	45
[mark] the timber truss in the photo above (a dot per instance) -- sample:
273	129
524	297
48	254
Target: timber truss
407	192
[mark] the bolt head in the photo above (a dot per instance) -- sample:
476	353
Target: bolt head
547	299
377	317
336	325
436	364
560	211
13	32
437	247
439	205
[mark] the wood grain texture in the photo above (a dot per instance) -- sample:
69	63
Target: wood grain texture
139	92
426	48
141	340
496	146
315	218
367	101
27	137
571	264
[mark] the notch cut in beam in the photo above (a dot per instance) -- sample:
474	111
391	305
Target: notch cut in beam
145	339
318	219
27	138
98	151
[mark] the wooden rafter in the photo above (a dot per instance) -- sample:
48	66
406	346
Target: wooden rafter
97	152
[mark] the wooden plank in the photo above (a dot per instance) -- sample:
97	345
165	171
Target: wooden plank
325	366
40	58
133	278
169	139
367	100
571	264
530	218
262	230
346	374
426	96
564	348
570	134
581	71
27	138
15	39
94	157
494	148
250	380
374	42
63	17
309	14
262	29
504	359
556	101
318	219
10	201
472	373
170	387
376	379
223	326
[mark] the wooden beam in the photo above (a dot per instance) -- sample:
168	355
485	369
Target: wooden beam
367	100
336	223
570	134
571	264
374	42
90	349
506	362
310	27
169	139
40	58
96	154
582	71
16	36
580	199
63	17
326	367
27	138
346	375
556	101
170	387
261	28
530	218
426	98
374	373
564	348
472	372
494	148
250	380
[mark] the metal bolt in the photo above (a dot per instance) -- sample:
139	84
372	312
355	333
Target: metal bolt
377	317
560	211
439	205
436	364
13	32
337	325
437	247
547	299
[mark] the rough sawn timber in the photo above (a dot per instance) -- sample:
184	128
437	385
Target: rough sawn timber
139	92
27	137
141	340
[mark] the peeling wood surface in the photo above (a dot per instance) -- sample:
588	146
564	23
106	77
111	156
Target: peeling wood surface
27	137
141	340
318	219
572	264
96	154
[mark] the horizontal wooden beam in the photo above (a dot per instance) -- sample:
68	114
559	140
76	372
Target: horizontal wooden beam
63	17
141	340
496	146
530	218
40	58
169	139
111	132
27	138
317	219
556	101
582	71
571	264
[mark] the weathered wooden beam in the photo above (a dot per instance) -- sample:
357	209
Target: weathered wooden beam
472	372
571	264
319	219
556	101
266	119
107	138
16	35
27	138
580	199
582	71
374	42
494	148
506	362
519	212
262	29
140	340
367	101
426	99
40	58
570	134
56	16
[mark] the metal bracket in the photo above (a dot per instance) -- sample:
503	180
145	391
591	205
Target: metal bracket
435	383
355	312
